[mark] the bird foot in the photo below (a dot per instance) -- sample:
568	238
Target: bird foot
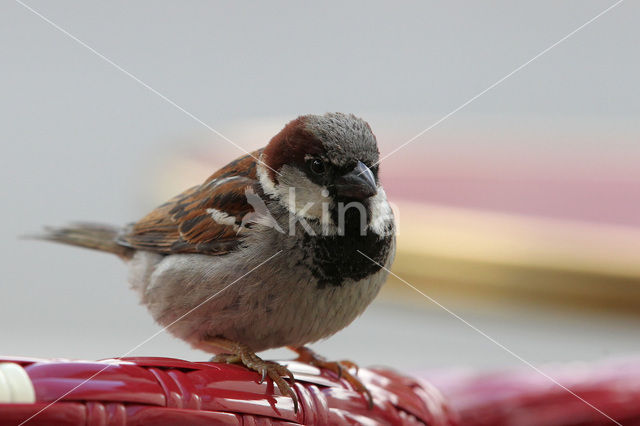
241	354
339	368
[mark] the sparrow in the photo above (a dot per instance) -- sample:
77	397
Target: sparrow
281	247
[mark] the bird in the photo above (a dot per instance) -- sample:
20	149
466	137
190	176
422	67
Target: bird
281	247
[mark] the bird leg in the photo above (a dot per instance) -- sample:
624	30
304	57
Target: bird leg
340	368
237	353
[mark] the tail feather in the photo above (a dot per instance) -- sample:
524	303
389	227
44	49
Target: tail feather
88	235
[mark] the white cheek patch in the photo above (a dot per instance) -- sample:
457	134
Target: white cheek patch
381	214
265	181
296	192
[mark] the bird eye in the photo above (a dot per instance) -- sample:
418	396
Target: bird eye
316	166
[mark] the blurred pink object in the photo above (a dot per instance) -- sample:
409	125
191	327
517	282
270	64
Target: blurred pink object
525	397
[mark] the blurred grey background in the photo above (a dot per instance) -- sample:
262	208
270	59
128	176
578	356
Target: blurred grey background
83	141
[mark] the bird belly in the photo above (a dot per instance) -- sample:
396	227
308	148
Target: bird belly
197	297
304	312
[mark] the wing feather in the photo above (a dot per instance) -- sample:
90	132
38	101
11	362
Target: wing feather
204	219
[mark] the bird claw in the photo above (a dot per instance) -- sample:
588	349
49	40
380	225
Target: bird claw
349	365
225	358
270	369
339	368
276	372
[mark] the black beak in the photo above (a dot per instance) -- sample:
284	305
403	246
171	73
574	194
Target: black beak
358	184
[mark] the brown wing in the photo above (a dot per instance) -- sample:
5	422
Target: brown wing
204	219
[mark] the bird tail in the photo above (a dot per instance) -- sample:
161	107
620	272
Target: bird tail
88	235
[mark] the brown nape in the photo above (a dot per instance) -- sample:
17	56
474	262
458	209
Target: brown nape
290	146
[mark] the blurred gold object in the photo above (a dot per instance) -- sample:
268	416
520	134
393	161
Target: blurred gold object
484	256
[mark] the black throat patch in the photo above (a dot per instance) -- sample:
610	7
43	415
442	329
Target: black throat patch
335	258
